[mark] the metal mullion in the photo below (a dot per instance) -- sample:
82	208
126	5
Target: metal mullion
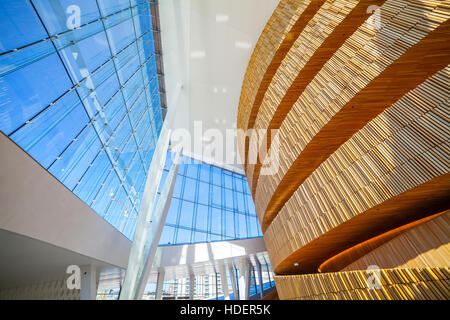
148	127
89	166
223	217
103	185
209	228
70	78
117	75
76	137
66	147
194	216
74	87
56	36
235	208
110	169
140	61
179	208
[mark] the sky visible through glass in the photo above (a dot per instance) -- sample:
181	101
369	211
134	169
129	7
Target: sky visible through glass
79	93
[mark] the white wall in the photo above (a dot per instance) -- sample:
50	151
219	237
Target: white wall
35	204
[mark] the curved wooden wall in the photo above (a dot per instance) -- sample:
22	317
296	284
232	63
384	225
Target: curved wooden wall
268	50
362	113
402	149
396	284
427	245
430	239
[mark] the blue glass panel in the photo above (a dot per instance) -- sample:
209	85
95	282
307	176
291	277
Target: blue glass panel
183	235
103	198
24	93
186	214
167	235
173	212
204	172
202	218
92	180
50	132
75	160
203	193
91	137
89	54
19	24
121	35
229	222
241	222
200	237
189	189
108	7
59	14
216	221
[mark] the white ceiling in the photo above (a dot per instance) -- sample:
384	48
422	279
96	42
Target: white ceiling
207	45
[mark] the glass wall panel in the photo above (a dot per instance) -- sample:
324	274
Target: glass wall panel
79	93
208	204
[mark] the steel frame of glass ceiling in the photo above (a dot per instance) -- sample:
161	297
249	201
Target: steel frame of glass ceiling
209	203
83	102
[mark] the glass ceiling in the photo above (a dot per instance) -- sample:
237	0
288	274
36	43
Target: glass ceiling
79	93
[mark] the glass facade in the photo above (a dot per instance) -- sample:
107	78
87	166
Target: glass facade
208	204
208	285
79	93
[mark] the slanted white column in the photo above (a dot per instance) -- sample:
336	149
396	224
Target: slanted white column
160	284
150	222
88	283
244	280
233	282
224	279
260	278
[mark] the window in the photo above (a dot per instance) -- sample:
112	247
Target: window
84	103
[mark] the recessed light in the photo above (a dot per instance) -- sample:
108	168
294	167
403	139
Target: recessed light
220	17
295	264
242	45
198	54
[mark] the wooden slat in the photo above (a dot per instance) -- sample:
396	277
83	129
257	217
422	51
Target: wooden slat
276	30
406	147
395	284
420	62
305	75
422	243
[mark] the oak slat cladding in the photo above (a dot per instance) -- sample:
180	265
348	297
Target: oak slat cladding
276	30
427	245
354	87
351	255
396	284
318	49
405	147
279	56
314	34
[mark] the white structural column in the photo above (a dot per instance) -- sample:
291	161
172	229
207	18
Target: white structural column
260	278
191	286
224	279
160	284
147	228
233	282
156	225
88	283
244	280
